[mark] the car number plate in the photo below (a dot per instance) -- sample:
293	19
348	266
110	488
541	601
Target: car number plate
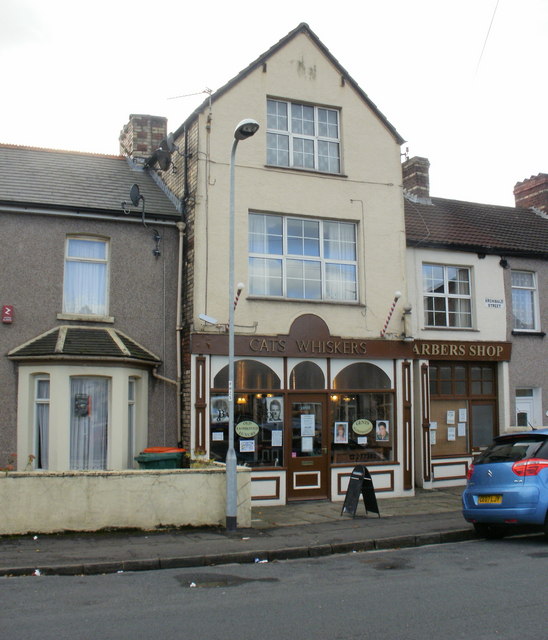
489	499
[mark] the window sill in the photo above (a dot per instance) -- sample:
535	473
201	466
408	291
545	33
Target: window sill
85	318
314	172
460	329
533	334
350	303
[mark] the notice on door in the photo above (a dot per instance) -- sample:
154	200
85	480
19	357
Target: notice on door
307	425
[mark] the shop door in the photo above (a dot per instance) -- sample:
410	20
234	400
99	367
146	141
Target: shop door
307	468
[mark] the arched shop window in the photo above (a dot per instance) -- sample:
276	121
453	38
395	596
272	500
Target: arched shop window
362	375
258	415
362	428
306	375
248	374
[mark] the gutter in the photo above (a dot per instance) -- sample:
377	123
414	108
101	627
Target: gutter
77	214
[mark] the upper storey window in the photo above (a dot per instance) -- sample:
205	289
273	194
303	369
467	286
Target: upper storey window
303	136
86	277
302	258
524	301
447	296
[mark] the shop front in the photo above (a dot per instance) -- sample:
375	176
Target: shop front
309	406
462	401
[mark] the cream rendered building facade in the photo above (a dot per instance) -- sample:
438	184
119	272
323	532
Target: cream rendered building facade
323	380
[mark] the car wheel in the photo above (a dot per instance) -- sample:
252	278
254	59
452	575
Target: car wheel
546	526
489	531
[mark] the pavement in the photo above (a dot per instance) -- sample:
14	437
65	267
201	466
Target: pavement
296	530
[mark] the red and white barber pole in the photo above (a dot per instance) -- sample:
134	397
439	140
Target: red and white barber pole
239	288
397	296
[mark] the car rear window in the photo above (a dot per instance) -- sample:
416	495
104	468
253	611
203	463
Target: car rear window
515	449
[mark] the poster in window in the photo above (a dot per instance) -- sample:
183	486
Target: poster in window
341	433
382	432
274	409
277	438
219	410
451	417
247	446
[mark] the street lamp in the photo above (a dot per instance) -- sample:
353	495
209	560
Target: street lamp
245	129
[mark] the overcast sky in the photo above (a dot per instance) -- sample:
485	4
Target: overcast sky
464	82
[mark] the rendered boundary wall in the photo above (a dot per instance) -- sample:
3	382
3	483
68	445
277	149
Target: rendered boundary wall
48	502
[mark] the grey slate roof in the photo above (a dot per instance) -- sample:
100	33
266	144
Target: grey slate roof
70	180
84	343
471	226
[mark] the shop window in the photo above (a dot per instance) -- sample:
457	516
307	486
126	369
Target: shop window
258	428
307	375
482	380
449	379
462	407
362	428
362	375
248	374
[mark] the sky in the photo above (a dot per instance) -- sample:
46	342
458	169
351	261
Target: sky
463	82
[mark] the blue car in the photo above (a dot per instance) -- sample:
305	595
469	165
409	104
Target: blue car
508	485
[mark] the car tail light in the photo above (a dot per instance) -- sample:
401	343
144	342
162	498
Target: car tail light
530	467
470	472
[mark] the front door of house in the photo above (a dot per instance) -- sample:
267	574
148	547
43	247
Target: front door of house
307	466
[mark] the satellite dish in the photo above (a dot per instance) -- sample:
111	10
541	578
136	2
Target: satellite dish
163	158
171	146
135	195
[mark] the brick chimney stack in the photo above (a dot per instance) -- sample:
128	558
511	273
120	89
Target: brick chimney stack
142	135
416	178
533	193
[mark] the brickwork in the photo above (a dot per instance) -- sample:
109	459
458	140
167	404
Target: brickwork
416	177
142	135
533	192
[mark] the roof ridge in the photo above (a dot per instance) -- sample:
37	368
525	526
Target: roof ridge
7	145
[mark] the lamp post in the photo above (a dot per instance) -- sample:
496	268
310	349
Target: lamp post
245	129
